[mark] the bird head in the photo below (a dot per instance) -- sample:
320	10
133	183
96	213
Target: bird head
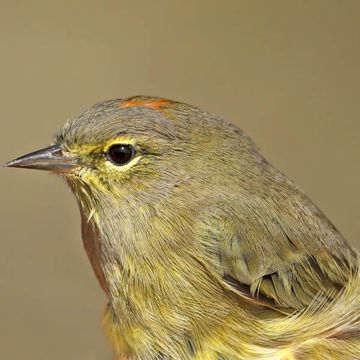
144	171
139	148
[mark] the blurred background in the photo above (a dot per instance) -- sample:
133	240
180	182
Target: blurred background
286	72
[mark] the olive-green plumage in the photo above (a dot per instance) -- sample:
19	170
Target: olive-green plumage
204	249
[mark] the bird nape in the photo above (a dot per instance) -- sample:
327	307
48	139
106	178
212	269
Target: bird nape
203	248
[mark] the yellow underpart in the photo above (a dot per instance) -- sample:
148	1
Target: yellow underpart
205	355
120	345
287	354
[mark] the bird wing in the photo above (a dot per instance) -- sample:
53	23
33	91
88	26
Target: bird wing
270	263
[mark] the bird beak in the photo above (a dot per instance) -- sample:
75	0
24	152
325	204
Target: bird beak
51	158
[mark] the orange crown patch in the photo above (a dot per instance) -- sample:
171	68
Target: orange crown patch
151	103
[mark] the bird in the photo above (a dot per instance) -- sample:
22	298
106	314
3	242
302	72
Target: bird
204	249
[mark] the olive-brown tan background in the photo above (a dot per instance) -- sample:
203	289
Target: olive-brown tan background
287	72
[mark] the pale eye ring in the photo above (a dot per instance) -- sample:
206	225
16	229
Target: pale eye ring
120	154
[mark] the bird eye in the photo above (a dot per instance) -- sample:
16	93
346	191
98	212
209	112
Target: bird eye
120	154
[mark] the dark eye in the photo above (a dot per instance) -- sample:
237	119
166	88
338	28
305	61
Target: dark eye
120	154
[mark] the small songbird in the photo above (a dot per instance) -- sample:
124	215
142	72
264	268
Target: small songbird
204	249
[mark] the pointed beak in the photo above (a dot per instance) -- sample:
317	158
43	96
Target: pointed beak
50	158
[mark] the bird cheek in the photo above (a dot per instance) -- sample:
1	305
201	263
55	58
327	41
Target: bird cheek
92	179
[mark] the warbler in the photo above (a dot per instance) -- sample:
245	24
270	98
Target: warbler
203	248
